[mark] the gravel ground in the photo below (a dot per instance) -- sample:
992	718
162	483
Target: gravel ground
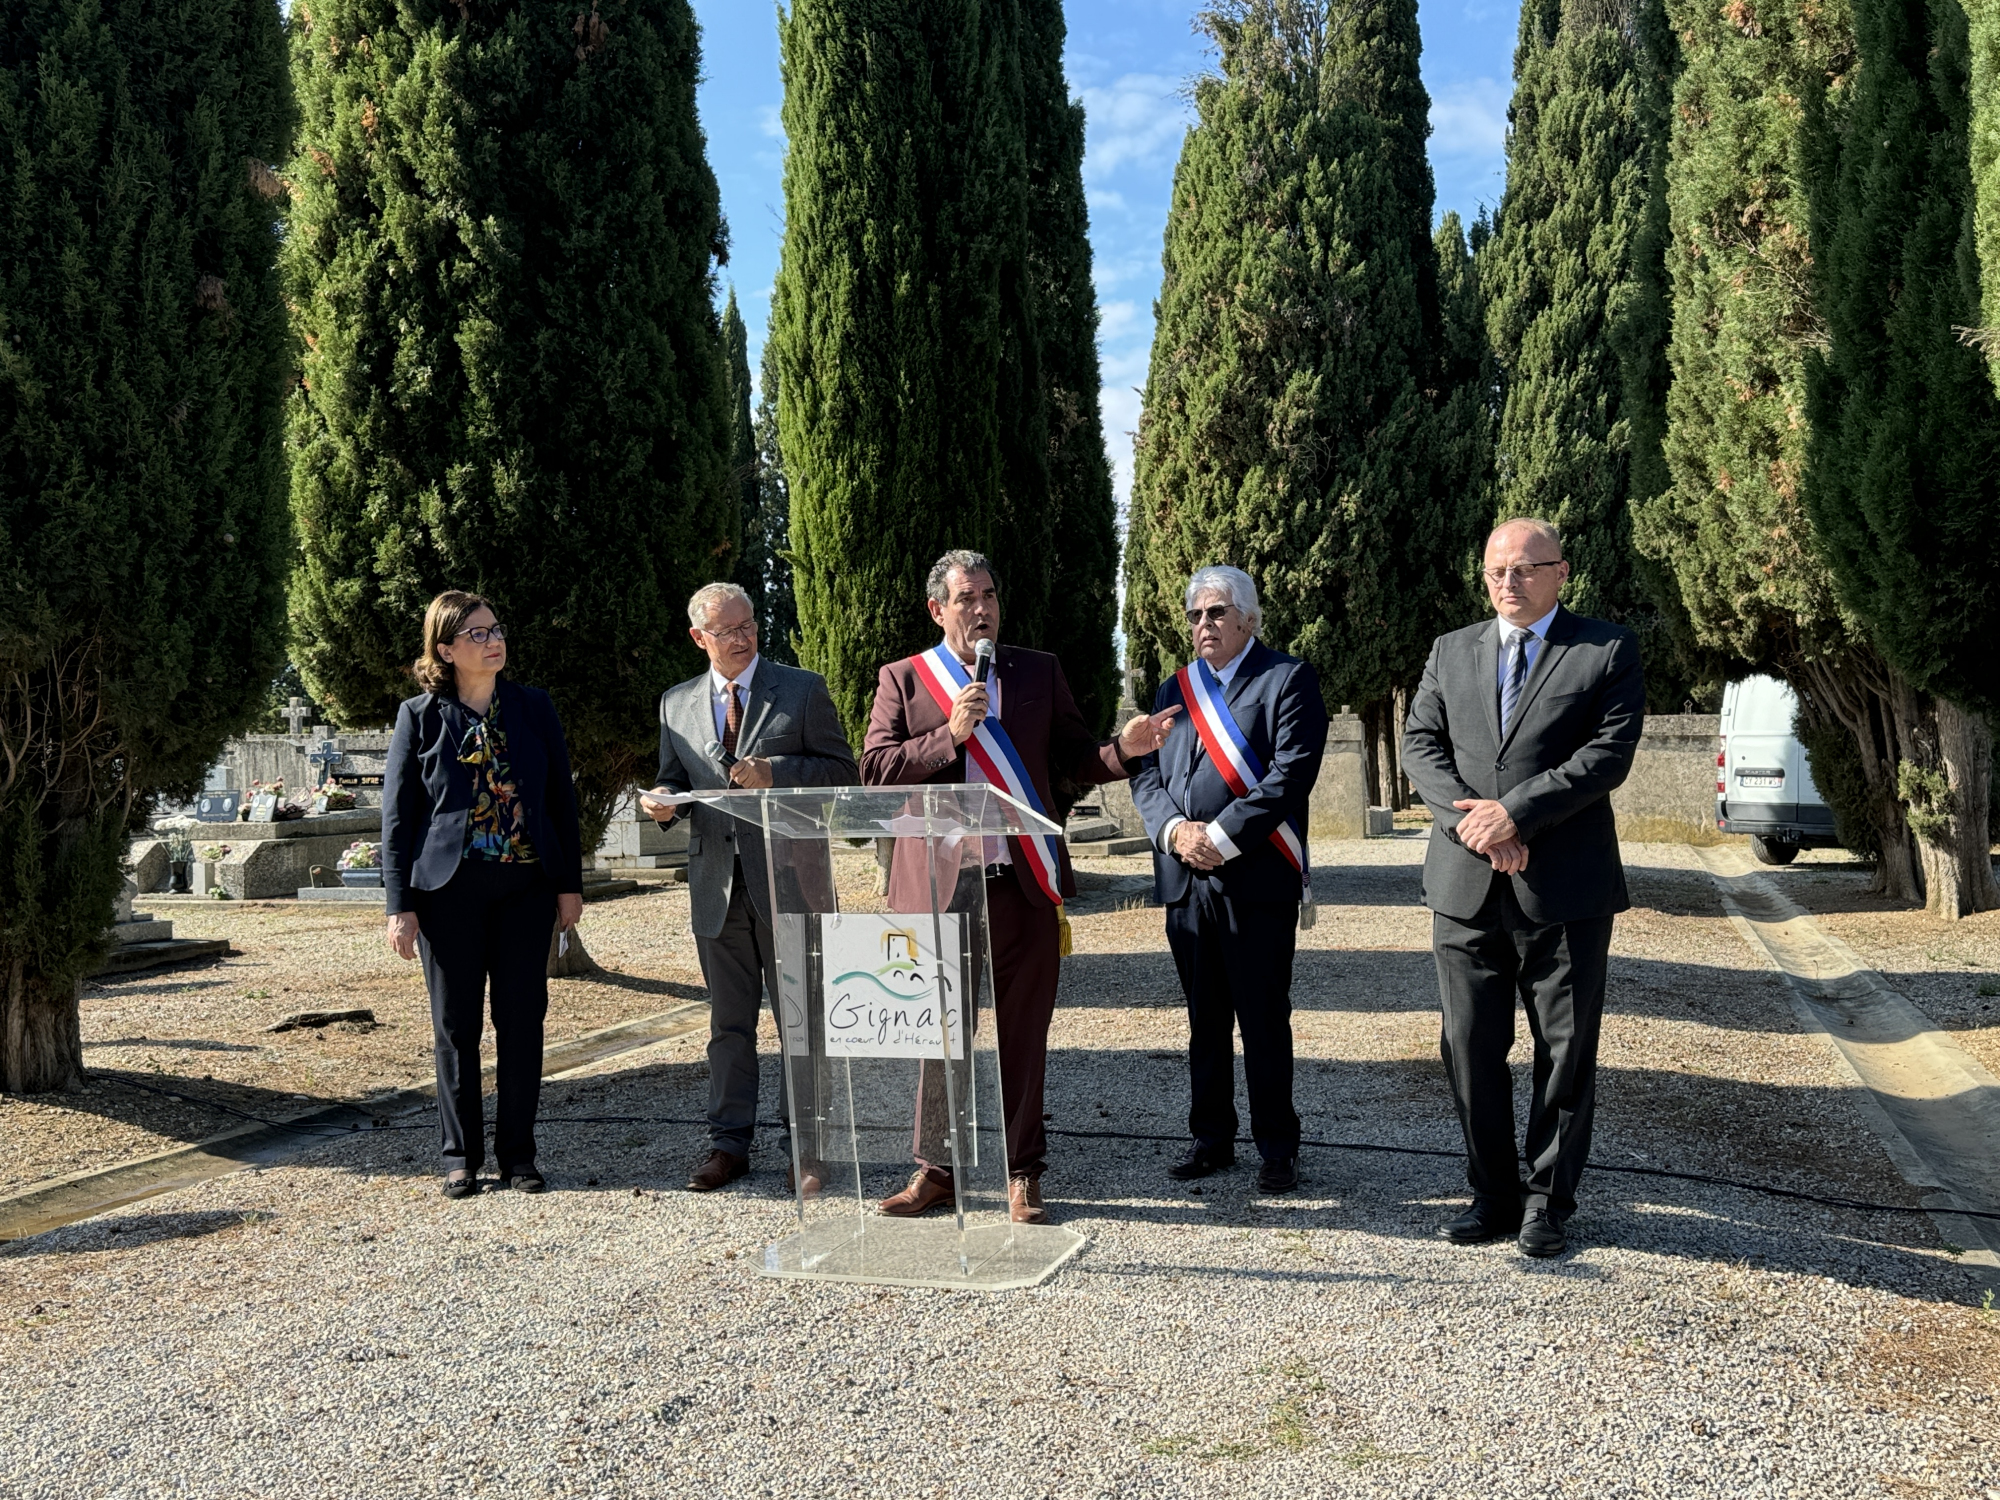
333	1327
1948	970
201	1031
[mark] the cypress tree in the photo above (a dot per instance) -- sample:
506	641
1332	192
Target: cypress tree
1082	512
778	615
1467	426
1983	39
753	560
1290	421
898	322
1903	490
143	357
1731	527
502	268
1576	295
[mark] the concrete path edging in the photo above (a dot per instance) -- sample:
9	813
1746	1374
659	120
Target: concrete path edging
1935	1108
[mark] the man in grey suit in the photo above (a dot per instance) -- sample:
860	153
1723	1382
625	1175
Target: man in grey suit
1521	729
744	722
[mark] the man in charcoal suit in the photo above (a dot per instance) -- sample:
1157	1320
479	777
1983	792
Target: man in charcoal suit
1225	805
1520	730
744	722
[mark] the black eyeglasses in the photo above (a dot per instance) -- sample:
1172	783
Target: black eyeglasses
479	635
1213	614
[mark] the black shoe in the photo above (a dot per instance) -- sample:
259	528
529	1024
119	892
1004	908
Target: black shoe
1279	1174
1542	1234
1202	1160
1487	1219
461	1183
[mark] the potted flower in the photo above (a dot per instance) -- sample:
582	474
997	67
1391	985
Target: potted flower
180	859
361	864
335	798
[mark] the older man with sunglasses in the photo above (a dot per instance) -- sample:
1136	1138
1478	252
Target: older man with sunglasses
1224	801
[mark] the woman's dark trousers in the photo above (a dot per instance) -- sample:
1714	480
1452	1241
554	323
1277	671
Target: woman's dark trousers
490	922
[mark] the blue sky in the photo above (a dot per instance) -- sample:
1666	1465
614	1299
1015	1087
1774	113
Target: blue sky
1129	61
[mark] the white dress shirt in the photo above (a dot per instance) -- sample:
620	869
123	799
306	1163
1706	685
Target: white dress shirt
1530	648
1224	844
718	693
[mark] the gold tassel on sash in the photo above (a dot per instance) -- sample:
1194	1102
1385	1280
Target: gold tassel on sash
1062	931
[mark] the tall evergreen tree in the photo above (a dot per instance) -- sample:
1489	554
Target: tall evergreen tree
1576	293
1903	490
1289	425
898	321
753	559
502	268
1731	528
1984	41
778	614
1082	511
143	358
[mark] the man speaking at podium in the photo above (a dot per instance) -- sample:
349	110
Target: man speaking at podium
1018	717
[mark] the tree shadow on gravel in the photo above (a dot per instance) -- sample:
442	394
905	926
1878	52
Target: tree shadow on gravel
128	1231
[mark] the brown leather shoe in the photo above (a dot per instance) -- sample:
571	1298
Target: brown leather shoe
920	1197
719	1170
815	1179
1024	1201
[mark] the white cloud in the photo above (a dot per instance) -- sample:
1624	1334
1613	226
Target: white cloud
1115	319
769	122
1103	198
1469	119
1138	118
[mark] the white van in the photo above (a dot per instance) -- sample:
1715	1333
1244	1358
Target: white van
1762	785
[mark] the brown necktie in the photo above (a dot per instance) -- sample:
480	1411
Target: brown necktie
732	719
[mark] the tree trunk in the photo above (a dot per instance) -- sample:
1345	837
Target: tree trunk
41	1044
574	964
1857	691
1946	784
1400	707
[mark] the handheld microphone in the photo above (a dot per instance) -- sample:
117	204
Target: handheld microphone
982	660
722	757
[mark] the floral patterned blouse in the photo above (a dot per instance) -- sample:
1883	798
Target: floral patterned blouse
493	828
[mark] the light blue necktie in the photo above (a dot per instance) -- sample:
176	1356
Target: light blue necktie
1517	674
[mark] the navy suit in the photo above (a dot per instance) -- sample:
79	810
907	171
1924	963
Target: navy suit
481	920
1233	930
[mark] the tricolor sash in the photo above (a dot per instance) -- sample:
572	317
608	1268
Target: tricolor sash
993	758
1234	759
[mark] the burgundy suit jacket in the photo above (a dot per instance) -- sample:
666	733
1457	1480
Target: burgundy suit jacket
909	742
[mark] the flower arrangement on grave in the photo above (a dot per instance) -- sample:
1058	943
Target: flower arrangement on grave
361	855
211	853
180	848
337	798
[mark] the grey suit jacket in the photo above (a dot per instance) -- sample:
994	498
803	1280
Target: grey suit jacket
789	718
1572	740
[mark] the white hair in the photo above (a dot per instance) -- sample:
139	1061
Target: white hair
709	598
1535	527
1233	584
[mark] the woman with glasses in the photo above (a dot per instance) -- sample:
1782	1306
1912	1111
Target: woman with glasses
481	863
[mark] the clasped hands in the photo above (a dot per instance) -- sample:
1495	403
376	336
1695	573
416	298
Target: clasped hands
1192	845
1488	829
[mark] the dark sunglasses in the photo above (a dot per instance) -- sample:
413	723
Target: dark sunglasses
1213	614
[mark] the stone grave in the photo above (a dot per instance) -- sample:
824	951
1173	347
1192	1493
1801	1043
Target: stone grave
143	941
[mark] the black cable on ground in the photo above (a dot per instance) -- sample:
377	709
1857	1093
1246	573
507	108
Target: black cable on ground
328	1131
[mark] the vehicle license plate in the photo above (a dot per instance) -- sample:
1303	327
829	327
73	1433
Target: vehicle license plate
1760	781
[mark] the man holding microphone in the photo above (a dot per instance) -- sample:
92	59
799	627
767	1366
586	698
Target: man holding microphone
1015	706
744	722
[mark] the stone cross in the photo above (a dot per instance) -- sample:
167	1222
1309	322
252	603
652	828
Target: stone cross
296	714
326	755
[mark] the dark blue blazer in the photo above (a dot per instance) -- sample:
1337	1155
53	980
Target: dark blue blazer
1275	701
427	791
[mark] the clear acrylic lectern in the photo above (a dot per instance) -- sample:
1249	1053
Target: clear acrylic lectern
885	1004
